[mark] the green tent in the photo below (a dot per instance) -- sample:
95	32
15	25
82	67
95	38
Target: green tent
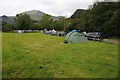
75	37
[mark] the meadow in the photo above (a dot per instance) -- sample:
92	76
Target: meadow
37	55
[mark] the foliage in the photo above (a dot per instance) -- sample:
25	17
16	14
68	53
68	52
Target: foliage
48	23
7	27
23	21
101	16
59	24
113	24
73	26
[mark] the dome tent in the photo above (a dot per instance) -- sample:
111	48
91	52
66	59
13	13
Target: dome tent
76	37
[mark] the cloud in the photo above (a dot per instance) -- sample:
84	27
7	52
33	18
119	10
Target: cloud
52	7
67	8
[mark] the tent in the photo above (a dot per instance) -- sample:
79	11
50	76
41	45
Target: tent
75	37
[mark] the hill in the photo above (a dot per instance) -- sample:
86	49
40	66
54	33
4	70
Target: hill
6	19
37	15
34	14
101	17
77	13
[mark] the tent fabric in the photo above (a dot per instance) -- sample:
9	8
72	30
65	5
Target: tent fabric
74	30
75	37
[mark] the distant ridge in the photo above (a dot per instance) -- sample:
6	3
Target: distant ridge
6	19
34	14
37	15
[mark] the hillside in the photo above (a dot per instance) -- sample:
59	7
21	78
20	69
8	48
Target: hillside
34	14
37	15
102	17
77	13
5	19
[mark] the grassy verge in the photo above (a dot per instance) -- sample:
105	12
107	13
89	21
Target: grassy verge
36	55
0	54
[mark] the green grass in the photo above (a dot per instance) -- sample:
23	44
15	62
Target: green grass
37	55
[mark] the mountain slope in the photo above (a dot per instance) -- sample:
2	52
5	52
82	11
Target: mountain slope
77	13
34	14
6	19
37	15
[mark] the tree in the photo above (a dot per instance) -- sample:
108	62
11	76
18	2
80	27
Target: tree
7	28
112	26
60	24
102	16
23	21
46	22
73	26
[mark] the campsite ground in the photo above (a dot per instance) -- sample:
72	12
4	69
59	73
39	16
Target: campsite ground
37	55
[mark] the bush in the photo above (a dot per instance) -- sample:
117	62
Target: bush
7	28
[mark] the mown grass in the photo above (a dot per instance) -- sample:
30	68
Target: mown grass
37	55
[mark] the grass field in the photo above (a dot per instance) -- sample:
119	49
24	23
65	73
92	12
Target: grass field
37	55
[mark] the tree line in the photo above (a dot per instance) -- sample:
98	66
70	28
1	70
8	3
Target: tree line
101	16
24	22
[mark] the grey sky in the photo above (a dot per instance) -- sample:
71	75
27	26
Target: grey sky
52	7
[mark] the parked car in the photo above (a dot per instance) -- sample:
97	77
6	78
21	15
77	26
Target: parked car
97	36
62	33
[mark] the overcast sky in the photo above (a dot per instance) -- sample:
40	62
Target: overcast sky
52	7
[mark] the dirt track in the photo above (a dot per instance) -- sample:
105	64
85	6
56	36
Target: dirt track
111	41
